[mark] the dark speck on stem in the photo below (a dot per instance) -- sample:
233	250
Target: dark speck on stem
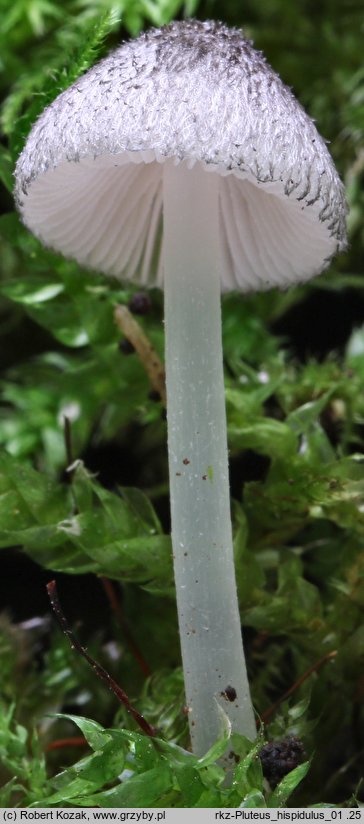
229	693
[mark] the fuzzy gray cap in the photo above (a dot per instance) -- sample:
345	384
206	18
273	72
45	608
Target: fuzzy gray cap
89	180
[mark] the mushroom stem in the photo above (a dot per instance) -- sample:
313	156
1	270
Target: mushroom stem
209	622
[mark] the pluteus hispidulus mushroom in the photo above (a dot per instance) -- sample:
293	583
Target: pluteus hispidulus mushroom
183	161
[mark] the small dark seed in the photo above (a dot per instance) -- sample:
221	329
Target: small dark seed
140	303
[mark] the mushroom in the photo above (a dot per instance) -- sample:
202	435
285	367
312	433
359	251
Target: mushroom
182	161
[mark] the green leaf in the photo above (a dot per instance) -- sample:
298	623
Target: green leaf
266	436
26	496
138	791
295	605
304	417
111	535
88	775
33	291
254	798
218	749
8	790
248	774
95	735
140	505
288	784
250	576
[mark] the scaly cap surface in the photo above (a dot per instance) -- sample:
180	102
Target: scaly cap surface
89	180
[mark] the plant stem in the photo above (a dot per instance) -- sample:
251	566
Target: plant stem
209	622
267	714
98	669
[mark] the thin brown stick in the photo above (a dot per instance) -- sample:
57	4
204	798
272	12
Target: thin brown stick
99	670
61	743
120	617
147	354
271	710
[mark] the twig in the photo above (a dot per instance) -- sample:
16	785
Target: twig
120	617
100	671
60	743
271	710
147	354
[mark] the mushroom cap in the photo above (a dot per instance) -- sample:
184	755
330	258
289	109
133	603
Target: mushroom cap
89	180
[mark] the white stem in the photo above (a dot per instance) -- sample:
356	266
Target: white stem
208	614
